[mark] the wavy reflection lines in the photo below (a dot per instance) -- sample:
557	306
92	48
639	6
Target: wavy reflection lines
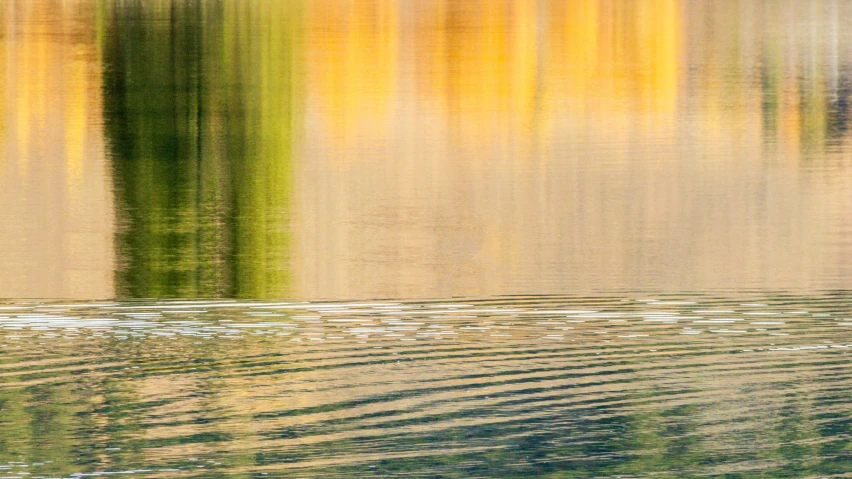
471	386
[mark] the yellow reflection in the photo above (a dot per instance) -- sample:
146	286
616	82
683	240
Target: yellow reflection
56	203
574	50
4	22
77	89
351	55
263	175
437	100
604	55
494	66
612	56
479	62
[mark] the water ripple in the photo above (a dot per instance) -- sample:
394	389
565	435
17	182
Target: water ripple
541	386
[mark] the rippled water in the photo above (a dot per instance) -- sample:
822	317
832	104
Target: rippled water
527	386
637	213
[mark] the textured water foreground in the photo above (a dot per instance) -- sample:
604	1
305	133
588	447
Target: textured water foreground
538	386
548	168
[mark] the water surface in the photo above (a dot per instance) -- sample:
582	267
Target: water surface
421	149
634	215
536	386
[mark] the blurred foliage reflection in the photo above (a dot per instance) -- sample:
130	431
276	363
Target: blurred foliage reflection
380	148
200	107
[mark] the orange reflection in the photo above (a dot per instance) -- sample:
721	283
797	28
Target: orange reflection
351	53
57	213
613	56
475	88
3	107
495	66
479	62
494	57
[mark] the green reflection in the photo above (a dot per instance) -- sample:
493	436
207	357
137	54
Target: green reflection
261	75
200	114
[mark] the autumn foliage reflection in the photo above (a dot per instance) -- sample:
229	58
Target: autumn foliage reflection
385	148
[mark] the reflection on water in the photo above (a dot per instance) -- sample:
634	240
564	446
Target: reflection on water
490	152
486	151
57	219
324	149
200	114
543	386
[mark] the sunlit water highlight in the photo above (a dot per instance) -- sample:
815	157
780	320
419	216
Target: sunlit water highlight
538	386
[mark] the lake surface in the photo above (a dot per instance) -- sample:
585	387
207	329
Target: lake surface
422	149
468	238
527	386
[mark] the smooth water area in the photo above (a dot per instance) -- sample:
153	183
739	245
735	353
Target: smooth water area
525	386
469	238
422	149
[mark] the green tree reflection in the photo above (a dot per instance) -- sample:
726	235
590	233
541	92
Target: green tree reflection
200	114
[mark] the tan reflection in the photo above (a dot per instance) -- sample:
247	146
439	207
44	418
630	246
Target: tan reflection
4	109
593	145
761	115
429	203
55	203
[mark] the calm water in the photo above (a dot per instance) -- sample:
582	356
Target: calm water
636	215
421	149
